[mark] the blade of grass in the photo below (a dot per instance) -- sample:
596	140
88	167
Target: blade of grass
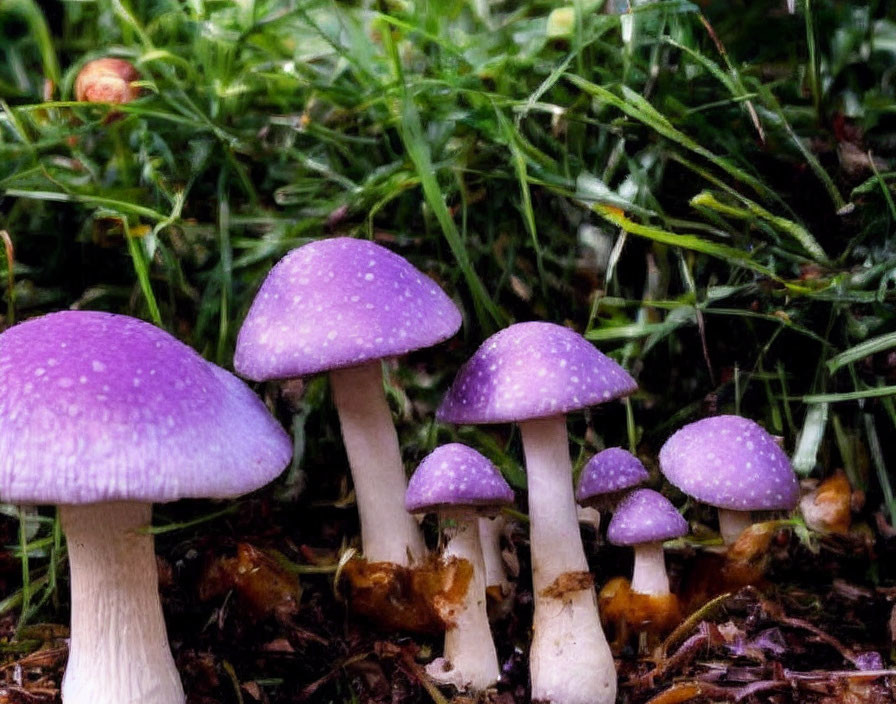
183	525
40	33
26	571
876	392
634	331
411	131
705	199
862	350
226	269
731	255
880	467
731	82
823	176
141	269
636	107
519	165
809	441
883	185
119	206
846	448
813	68
10	277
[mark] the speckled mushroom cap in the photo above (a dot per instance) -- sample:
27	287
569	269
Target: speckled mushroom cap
101	407
645	516
732	463
609	470
456	475
532	370
338	303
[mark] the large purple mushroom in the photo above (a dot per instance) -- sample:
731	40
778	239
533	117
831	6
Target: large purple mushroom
533	374
461	485
644	519
104	414
731	463
341	305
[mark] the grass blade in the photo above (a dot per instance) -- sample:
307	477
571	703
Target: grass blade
860	351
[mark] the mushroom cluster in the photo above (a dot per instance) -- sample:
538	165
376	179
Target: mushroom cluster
533	374
104	414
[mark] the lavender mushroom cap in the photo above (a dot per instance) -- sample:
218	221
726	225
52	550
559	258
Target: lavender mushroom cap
532	370
610	470
101	407
645	516
456	475
338	303
732	463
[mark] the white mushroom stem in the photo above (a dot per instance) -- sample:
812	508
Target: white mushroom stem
388	532
490	532
119	651
732	524
649	575
588	516
470	660
570	660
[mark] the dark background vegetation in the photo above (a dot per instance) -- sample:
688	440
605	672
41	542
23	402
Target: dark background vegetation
705	190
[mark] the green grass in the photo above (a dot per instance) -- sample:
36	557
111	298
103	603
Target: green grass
700	203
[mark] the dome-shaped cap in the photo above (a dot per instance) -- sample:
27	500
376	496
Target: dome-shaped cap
456	475
609	470
645	516
532	370
101	407
338	303
732	463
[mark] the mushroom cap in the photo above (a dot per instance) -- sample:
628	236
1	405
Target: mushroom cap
338	303
532	370
101	407
645	516
455	475
609	470
732	463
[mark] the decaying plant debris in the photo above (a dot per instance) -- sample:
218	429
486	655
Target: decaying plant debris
239	625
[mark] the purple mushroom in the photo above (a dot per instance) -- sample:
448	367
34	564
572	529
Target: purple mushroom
341	305
460	484
533	374
607	475
644	519
104	414
731	463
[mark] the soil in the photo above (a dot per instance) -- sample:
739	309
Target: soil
253	617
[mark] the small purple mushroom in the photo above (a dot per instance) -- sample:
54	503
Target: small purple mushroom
460	484
341	305
104	414
534	373
607	475
644	519
731	463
